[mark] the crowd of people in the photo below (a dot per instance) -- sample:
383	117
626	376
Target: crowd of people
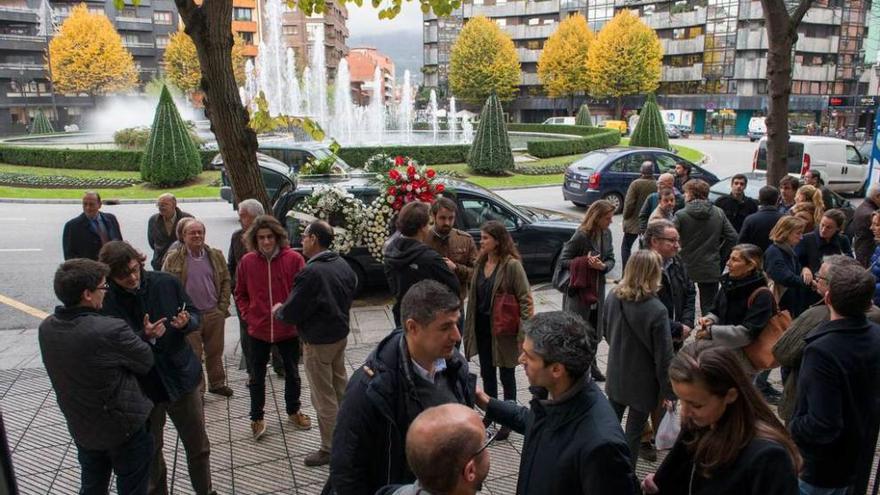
712	297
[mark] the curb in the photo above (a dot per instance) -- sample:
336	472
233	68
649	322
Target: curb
109	201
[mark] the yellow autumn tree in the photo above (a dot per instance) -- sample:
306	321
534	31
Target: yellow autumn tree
87	56
625	59
562	66
182	63
483	60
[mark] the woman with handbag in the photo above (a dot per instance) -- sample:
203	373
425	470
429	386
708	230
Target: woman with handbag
589	252
639	345
499	299
792	283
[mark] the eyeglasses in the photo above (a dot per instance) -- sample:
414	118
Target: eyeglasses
104	286
487	444
670	239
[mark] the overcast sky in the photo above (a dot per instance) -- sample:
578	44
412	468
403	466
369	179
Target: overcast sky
363	21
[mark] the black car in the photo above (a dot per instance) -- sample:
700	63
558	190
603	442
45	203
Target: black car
539	234
277	176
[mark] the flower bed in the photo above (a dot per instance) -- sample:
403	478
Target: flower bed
63	181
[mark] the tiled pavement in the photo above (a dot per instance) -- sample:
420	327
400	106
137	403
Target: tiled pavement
45	461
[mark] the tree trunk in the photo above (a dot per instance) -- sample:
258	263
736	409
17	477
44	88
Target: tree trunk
209	26
619	111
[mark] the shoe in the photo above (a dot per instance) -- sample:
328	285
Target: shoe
279	372
597	375
319	458
648	452
503	434
258	427
222	390
300	421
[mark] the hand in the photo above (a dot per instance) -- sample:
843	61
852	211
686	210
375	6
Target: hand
807	275
705	322
154	330
669	405
685	332
595	263
451	264
703	334
181	320
482	399
648	485
276	307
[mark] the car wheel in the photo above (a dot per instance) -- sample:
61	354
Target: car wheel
616	200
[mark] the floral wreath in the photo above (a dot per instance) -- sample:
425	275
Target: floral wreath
380	163
345	213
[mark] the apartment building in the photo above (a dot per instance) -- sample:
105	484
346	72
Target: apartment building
299	31
245	23
362	64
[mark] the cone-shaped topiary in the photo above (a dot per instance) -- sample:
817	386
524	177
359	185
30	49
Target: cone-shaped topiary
490	152
650	131
170	157
583	116
41	124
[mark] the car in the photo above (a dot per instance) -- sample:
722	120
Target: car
620	125
559	121
539	234
277	177
757	180
672	131
757	128
293	153
607	173
838	160
685	130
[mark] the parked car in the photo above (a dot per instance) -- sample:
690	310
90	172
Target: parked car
277	176
620	125
757	180
294	154
559	121
607	173
539	234
757	128
672	131
837	160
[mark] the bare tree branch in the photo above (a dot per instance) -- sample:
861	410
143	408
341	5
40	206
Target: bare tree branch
798	15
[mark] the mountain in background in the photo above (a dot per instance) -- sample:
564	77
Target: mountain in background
404	48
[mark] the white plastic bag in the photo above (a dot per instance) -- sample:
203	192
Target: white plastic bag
668	431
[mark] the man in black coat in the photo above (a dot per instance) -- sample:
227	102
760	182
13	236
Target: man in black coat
143	298
757	226
677	291
859	229
319	306
409	260
837	415
84	235
573	440
737	206
412	369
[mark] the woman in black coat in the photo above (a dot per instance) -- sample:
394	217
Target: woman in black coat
826	240
792	283
730	441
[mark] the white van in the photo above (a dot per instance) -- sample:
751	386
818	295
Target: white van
837	160
757	128
560	121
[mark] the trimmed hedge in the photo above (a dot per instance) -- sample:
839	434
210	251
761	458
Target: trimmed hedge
356	156
592	138
541	170
120	160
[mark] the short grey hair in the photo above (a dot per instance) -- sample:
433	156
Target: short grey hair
425	300
839	260
561	337
656	228
252	206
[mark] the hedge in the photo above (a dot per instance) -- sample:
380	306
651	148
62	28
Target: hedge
440	154
121	160
592	138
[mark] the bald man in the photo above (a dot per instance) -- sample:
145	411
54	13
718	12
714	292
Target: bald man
666	180
85	234
162	228
446	449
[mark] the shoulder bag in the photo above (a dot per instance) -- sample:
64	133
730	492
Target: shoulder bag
760	351
505	310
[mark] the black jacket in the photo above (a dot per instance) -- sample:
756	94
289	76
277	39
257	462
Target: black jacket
92	361
813	248
757	226
159	240
237	250
80	239
379	404
731	304
176	371
859	230
573	445
409	261
677	293
763	467
737	210
321	298
782	266
838	401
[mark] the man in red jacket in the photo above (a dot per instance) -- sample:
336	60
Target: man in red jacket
265	278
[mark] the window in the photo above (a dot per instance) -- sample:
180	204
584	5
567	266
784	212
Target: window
161	41
852	156
665	163
129	12
534	21
162	17
247	37
630	164
242	14
129	39
478	211
501	22
96	10
533	45
290	30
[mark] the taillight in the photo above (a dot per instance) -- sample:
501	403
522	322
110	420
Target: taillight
805	167
594	181
755	160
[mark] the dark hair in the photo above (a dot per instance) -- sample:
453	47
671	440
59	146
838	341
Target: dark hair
322	231
505	247
437	461
817	175
752	253
697	188
686	165
741	177
665	191
413	217
838	216
265	222
117	255
655	229
768	196
424	300
850	290
445	203
790	180
561	337
717	370
96	194
75	276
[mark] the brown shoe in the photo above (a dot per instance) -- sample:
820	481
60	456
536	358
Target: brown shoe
300	421
258	427
222	390
319	458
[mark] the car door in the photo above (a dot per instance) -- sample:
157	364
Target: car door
623	171
477	210
855	170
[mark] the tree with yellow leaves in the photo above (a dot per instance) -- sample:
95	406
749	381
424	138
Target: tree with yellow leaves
87	56
182	62
483	60
624	59
562	66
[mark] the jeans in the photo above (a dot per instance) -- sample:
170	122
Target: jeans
487	367
635	425
130	461
260	350
188	415
808	489
626	248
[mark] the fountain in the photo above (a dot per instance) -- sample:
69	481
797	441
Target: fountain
405	110
451	118
434	120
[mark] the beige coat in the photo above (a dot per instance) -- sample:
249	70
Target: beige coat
175	264
511	278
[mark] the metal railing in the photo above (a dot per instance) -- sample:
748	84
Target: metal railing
139	20
23	66
22	37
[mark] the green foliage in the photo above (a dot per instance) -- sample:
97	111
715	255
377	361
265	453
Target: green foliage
592	138
583	116
650	131
62	181
319	167
490	152
357	156
119	160
541	170
170	157
132	137
41	124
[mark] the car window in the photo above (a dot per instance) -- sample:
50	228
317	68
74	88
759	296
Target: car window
665	163
272	180
628	164
477	211
852	156
276	154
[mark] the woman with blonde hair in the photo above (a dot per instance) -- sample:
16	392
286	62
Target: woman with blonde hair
590	253
807	213
792	283
812	195
639	345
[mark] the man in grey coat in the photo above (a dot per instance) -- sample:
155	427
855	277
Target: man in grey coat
92	362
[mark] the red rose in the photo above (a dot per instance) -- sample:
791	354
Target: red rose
398	161
392	191
430	173
394	174
440	188
410	171
409	197
427	197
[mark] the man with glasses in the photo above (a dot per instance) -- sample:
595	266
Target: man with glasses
446	448
573	440
86	355
162	228
665	181
143	298
84	235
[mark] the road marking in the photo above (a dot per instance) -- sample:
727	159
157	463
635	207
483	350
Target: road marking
20	250
24	308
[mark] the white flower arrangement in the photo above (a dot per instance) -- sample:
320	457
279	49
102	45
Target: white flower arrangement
380	163
376	232
346	214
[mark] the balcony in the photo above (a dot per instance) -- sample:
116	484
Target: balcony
511	9
429	35
818	45
693	73
15	70
665	20
525	32
136	20
143	24
18	14
430	57
20	42
814	73
526	55
750	69
680	47
818	15
529	79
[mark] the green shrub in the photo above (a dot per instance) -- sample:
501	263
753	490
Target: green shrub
583	116
541	169
574	130
118	160
650	131
41	124
170	157
593	138
490	152
356	156
132	137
